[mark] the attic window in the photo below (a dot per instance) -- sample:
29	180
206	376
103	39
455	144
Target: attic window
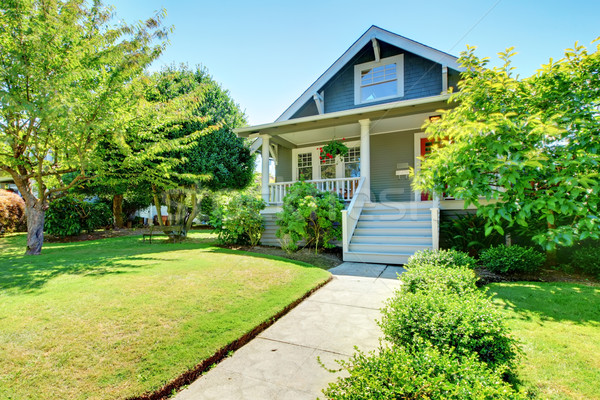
375	81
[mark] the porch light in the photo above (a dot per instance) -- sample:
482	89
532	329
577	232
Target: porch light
435	118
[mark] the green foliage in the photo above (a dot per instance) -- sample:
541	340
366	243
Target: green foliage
311	215
441	258
587	259
333	149
512	259
239	221
532	144
12	212
467	233
69	216
428	278
466	322
427	373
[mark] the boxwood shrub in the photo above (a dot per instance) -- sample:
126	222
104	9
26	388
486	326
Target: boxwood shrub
512	259
587	259
396	373
466	322
441	258
431	278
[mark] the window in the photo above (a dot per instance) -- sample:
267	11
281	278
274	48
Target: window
352	163
374	81
305	166
328	168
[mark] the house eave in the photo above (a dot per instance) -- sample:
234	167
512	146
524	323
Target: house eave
386	110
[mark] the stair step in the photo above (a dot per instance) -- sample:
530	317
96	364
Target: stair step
393	224
421	205
425	240
393	231
387	248
395	217
380	258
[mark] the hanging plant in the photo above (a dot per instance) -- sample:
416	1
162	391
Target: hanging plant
332	149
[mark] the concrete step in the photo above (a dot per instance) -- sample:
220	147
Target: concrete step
392	231
380	258
399	205
393	224
373	216
385	248
425	240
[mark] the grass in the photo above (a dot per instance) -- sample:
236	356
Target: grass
116	317
558	325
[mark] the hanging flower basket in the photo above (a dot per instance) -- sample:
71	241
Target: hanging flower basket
332	149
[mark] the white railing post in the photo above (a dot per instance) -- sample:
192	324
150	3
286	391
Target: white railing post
435	223
345	238
265	187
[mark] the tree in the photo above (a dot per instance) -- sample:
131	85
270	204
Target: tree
65	85
530	147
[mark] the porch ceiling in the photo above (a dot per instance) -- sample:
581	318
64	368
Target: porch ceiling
397	116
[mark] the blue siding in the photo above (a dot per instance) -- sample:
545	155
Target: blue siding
422	78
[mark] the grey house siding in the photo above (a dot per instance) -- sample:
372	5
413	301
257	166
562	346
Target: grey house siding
386	152
422	78
283	169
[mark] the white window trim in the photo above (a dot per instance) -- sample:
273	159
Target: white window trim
398	60
316	162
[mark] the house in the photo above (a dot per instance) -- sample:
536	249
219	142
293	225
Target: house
376	97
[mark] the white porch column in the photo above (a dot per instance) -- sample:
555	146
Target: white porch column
365	155
265	167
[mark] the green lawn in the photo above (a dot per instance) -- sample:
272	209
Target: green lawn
558	325
113	318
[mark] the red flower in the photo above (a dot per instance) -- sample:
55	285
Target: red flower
343	138
329	155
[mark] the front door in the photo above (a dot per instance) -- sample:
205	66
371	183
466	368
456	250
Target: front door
427	145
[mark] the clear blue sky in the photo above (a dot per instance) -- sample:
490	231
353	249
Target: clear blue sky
266	53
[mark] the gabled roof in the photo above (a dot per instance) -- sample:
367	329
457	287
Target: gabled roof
380	34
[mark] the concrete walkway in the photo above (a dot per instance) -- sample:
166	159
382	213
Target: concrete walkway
281	363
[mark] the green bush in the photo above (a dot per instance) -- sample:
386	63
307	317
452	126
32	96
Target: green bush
466	322
441	258
467	233
431	278
311	215
587	259
512	259
239	220
395	373
12	212
69	216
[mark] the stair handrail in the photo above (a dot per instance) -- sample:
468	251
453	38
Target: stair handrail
351	215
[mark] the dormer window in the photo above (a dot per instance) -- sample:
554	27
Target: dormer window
379	80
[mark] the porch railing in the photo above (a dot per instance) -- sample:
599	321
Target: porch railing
344	187
351	215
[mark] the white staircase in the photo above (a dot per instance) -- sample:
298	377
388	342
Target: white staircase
391	232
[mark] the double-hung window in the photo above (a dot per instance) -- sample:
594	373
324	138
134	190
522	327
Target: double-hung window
379	80
305	166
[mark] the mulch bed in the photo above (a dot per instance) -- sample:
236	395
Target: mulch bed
543	275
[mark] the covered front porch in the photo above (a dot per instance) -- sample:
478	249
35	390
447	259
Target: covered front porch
373	180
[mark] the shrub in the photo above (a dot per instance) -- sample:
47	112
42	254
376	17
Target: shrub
311	215
467	233
395	373
68	216
12	212
513	259
466	322
431	278
441	258
239	221
587	259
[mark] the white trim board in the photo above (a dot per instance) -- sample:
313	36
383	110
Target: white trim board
380	34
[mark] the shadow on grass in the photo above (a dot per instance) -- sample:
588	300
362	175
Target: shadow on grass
120	255
579	304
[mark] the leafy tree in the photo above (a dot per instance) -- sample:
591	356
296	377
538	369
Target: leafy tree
65	74
530	147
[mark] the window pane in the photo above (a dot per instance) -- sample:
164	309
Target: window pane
327	171
305	173
352	170
374	92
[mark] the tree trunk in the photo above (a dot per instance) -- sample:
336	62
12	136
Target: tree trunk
157	205
35	227
117	207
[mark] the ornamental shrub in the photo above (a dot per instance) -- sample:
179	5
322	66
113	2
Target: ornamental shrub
431	278
69	216
441	258
466	322
587	259
512	259
12	212
466	232
395	373
310	215
239	221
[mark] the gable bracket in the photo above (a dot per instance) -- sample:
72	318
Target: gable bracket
320	102
376	49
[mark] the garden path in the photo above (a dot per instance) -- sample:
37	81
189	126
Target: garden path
282	362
